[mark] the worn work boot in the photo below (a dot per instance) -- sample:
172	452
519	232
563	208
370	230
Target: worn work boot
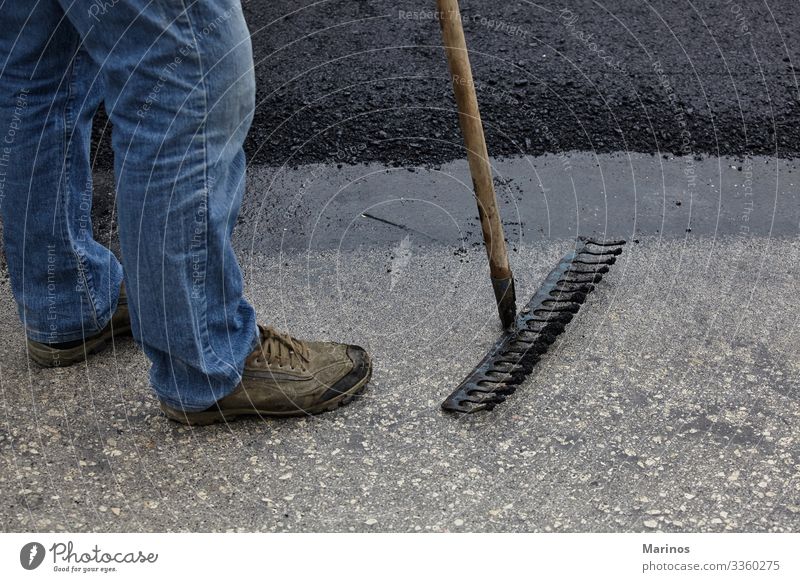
285	376
68	353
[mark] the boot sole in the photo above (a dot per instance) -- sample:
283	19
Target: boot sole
211	417
48	357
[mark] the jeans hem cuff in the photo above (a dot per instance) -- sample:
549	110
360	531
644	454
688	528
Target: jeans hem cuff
46	337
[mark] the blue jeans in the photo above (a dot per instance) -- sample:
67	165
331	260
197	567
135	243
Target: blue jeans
177	81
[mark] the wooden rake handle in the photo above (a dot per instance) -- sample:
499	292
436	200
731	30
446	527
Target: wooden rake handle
478	156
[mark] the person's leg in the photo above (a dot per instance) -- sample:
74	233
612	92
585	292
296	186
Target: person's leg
65	283
180	93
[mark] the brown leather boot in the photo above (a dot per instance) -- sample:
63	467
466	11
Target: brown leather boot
68	353
285	376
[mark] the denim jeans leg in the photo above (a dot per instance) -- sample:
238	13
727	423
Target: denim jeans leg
180	93
65	283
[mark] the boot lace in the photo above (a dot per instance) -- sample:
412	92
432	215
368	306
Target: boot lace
282	349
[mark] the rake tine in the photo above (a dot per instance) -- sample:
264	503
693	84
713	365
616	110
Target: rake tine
604	252
604	243
537	326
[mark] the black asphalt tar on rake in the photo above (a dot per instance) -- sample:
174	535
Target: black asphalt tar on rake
537	326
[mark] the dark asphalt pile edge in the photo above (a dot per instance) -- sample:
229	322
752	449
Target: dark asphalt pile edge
345	81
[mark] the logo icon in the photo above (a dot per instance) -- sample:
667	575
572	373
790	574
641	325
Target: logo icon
31	555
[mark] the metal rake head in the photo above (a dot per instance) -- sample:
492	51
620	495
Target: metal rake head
538	324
